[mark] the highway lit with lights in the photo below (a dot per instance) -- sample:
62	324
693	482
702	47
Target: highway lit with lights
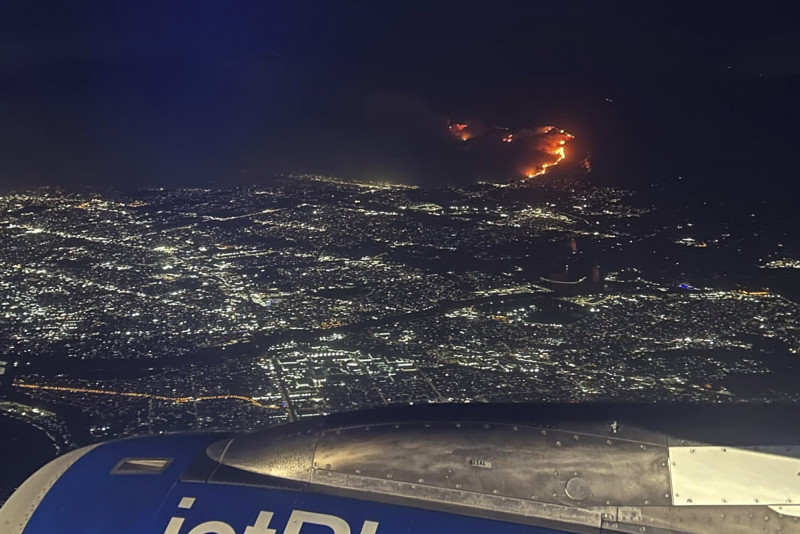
177	400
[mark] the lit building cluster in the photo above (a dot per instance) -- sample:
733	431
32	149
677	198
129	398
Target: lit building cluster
191	309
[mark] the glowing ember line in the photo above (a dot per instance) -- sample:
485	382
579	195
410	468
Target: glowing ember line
536	150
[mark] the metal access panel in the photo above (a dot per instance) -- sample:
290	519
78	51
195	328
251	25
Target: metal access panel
704	476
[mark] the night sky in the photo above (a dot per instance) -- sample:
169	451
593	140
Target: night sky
131	94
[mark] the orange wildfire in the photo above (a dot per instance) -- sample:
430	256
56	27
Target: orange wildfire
461	130
547	144
552	143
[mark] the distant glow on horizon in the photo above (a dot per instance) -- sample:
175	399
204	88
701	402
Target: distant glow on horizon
547	144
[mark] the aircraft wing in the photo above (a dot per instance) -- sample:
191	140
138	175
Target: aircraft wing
428	475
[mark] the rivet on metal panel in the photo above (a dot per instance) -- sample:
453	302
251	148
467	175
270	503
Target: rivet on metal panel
358	471
494	492
558	443
755	501
575	437
689	500
724	450
421	480
458	425
458	486
396	426
666	495
427	425
544	433
555	473
724	501
486	426
642	529
608	442
389	475
327	466
663	464
516	428
646	502
643	447
533	497
766	518
722	516
691	451
316	464
751	515
366	428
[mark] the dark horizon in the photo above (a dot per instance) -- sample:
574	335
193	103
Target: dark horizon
111	95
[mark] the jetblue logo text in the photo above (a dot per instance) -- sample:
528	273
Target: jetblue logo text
261	525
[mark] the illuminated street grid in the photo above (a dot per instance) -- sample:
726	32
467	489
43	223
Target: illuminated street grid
184	309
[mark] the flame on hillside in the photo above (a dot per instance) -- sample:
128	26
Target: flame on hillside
542	148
